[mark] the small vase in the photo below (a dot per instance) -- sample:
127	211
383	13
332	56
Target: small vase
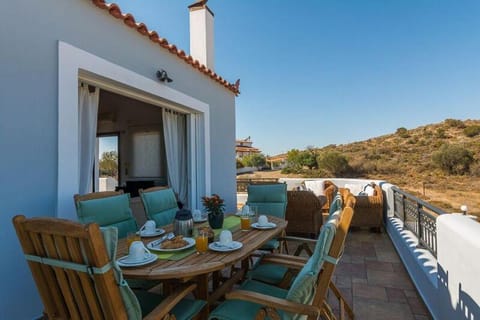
215	221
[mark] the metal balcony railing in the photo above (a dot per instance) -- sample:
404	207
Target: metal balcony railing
419	217
243	183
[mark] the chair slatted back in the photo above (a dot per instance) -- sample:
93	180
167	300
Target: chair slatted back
95	195
335	252
68	293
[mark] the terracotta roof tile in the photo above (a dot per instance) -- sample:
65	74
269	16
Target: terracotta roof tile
114	10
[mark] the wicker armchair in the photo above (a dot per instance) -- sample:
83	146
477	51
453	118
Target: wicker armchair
304	213
369	210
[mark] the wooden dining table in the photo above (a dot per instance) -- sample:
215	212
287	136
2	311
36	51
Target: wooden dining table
200	268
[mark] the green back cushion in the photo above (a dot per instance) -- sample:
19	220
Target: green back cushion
267	192
304	286
160	206
270	199
336	204
111	211
132	306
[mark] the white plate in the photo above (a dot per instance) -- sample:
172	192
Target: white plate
191	243
157	233
269	225
125	262
200	220
216	246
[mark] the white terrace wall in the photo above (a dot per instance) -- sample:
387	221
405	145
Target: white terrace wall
458	267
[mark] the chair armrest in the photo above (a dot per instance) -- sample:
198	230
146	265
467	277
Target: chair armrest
169	302
293	262
297	239
273	302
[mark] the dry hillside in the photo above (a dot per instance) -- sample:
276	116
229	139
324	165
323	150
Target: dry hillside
404	158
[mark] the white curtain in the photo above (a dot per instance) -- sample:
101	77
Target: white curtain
174	128
87	124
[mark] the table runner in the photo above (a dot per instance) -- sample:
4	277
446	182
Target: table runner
231	223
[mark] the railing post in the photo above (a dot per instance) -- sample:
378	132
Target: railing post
419	223
404	212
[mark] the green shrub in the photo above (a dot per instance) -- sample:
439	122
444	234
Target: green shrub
239	164
440	134
454	123
254	160
471	131
334	162
402	132
453	159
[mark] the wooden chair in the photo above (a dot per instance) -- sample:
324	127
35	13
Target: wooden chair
76	275
107	208
160	204
307	293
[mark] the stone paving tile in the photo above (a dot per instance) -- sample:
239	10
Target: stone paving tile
379	265
370	292
372	309
422	317
389	279
417	306
355	270
396	295
387	255
343	281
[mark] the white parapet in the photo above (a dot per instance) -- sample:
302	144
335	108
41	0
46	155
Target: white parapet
458	256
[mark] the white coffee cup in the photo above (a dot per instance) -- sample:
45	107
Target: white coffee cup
262	220
225	237
137	251
150	227
197	214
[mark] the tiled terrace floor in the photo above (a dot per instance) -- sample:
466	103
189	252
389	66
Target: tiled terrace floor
373	279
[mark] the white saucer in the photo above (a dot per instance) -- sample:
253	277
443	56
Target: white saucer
216	246
200	220
126	262
269	225
191	243
158	232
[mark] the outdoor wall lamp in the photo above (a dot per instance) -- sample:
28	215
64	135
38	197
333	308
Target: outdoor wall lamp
163	76
464	209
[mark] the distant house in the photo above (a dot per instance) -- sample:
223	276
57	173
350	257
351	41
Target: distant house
244	148
277	161
73	71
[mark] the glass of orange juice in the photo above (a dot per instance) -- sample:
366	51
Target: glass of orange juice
132	236
201	242
245	222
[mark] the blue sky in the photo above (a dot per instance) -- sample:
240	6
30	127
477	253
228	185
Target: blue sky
315	73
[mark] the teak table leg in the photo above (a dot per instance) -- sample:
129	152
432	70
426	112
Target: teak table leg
202	293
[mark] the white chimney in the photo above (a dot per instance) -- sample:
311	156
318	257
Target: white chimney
201	33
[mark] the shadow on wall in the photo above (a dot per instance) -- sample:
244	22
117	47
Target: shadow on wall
465	308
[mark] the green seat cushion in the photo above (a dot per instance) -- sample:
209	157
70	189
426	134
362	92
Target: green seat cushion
184	310
269	273
160	205
239	310
271	245
111	211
